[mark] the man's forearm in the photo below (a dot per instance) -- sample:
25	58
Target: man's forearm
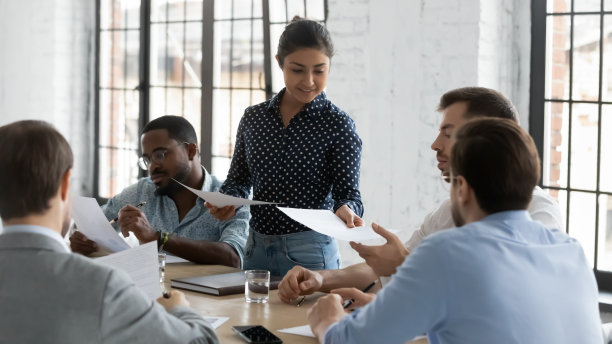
203	251
356	276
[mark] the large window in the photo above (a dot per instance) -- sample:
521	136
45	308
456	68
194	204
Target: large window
204	60
571	118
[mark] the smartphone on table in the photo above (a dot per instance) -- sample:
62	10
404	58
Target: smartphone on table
256	334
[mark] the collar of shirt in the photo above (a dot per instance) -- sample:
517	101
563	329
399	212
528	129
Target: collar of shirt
48	232
508	215
311	109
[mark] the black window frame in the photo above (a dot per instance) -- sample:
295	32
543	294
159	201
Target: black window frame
538	100
144	84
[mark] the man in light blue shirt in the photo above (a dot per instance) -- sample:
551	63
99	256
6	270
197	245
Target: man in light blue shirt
500	278
173	215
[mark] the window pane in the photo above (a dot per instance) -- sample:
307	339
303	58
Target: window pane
604	249
278	12
561	197
193	112
195	10
223	9
608	5
159	10
157	102
278	82
221	48
607	59
559	6
193	55
119	14
295	8
243	8
584	146
159	63
222	138
220	166
257	9
605	183
586	58
174	102
118	60
556	144
118	169
587	5
557	57
241	62
315	9
176	10
258	80
582	222
241	99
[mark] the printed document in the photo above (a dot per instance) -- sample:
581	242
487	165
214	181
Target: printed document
141	264
90	220
326	222
222	200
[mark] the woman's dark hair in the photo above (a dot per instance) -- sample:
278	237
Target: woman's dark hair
304	33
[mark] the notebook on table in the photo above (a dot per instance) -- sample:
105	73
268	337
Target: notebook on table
222	284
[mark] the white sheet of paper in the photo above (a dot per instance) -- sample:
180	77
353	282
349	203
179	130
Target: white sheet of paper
215	321
299	330
171	259
222	200
326	222
141	265
90	220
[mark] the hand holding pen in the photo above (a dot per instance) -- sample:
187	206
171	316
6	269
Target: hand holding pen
354	297
137	206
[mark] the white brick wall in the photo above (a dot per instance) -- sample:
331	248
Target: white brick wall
46	71
394	59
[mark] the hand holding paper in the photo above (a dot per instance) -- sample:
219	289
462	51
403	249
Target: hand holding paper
91	221
326	222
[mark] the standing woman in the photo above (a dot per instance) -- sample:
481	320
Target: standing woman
300	150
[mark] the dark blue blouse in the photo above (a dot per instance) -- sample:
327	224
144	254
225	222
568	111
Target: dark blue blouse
313	163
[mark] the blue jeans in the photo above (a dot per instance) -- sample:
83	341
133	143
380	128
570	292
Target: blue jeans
280	253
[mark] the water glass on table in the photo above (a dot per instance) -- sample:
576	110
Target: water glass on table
257	286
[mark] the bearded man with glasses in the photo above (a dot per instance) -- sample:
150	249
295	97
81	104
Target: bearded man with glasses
170	214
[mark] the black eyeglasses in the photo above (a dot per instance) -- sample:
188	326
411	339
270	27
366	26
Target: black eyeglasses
158	156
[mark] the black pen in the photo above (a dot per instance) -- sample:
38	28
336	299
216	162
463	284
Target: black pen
349	302
166	295
137	206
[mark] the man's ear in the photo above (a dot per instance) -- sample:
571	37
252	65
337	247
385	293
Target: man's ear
192	150
464	190
65	185
278	61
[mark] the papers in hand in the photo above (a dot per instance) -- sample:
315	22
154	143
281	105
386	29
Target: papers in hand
90	220
141	264
326	222
222	200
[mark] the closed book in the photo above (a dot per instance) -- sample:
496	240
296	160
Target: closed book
223	284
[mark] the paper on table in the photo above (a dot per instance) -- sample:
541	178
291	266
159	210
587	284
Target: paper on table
326	222
141	265
222	200
299	330
215	321
90	220
171	259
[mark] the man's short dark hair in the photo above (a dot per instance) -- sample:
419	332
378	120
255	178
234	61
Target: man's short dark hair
481	102
33	158
499	160
178	128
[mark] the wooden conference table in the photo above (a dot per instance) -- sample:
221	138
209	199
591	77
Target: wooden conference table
274	315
